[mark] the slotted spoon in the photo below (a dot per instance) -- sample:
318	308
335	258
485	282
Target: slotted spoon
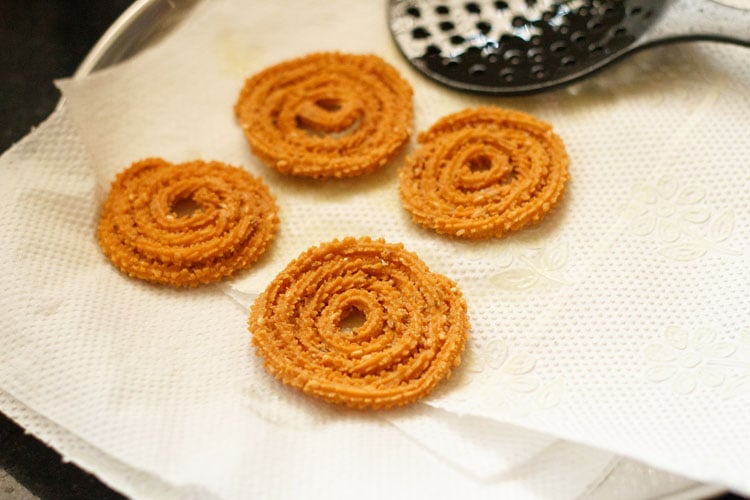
527	46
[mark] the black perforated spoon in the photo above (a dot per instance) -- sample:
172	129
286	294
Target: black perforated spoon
527	46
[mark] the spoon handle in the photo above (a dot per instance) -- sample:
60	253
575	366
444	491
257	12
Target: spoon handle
699	20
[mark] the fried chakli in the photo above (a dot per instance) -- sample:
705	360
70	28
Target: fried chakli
230	219
326	114
482	172
414	324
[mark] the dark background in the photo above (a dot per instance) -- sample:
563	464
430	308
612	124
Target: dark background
42	40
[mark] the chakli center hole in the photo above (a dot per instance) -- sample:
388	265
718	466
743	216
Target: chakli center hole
336	132
351	319
186	207
329	104
480	163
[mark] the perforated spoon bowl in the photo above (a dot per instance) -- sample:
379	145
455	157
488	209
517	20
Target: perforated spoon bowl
528	46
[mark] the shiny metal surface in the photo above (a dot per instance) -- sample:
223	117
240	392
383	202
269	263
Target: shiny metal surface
523	47
142	24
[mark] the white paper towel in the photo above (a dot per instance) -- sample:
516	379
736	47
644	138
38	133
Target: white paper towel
620	322
160	394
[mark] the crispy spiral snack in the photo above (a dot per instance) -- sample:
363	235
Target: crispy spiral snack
415	324
326	114
482	172
234	221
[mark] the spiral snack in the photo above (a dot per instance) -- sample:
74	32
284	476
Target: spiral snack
326	114
233	220
414	327
482	172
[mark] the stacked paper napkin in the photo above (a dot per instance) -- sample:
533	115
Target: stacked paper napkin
619	327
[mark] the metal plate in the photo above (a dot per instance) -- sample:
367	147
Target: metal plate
142	24
147	21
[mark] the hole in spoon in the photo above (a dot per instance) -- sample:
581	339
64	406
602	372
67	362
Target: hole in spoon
507	75
420	33
484	27
473	8
477	70
568	61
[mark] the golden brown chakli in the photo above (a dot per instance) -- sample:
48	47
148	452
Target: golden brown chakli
230	220
326	114
482	172
414	324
